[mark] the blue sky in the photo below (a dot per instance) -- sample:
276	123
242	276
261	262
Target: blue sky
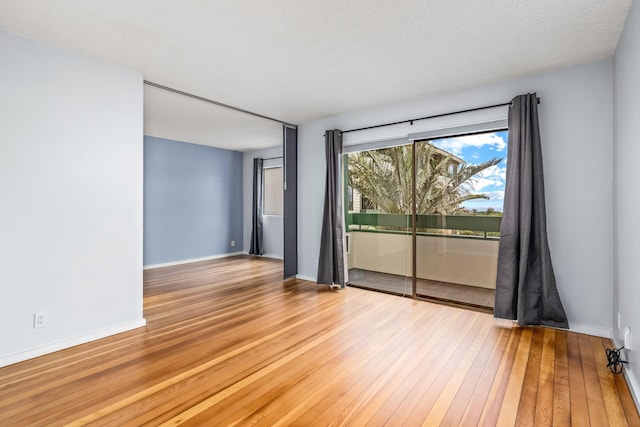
477	149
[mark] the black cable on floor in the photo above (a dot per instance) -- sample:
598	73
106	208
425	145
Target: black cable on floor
615	362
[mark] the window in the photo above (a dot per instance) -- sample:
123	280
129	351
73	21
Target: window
272	196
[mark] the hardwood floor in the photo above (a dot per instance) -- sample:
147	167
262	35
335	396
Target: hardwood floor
228	343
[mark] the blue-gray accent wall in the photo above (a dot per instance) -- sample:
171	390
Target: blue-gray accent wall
192	201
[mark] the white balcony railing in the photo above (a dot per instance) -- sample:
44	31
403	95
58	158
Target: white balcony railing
454	260
441	257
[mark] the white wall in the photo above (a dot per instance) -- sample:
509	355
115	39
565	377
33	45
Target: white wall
576	129
627	198
272	227
70	198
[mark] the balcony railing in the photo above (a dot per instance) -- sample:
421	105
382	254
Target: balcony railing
486	226
450	248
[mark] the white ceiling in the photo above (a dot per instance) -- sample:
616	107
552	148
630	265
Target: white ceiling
177	117
298	60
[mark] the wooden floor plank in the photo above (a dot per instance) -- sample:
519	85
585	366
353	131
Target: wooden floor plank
561	391
382	331
511	402
529	395
410	400
336	395
413	369
449	391
595	400
206	395
487	381
402	365
493	404
578	393
256	397
420	400
545	397
227	342
356	396
420	376
470	392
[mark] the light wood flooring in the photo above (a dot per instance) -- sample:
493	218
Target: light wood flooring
228	343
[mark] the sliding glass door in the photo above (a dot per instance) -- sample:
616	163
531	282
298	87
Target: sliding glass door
459	192
378	219
456	186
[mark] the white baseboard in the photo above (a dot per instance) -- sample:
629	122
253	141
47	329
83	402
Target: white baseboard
71	342
187	261
634	386
590	330
303	277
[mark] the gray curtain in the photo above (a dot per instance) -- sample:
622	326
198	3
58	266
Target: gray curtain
525	285
257	247
331	260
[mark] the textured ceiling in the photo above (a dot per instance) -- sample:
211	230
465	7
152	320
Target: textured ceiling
297	60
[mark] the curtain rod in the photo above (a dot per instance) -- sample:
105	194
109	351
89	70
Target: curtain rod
273	158
219	104
504	104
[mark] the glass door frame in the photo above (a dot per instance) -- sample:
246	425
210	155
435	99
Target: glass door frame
425	137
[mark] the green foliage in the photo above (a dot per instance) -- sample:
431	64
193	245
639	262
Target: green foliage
384	177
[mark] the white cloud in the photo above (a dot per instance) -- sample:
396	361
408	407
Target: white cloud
456	145
481	183
493	176
497	172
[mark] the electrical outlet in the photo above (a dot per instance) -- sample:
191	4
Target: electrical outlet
628	342
619	321
40	319
233	243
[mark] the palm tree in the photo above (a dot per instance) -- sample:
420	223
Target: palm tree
384	177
